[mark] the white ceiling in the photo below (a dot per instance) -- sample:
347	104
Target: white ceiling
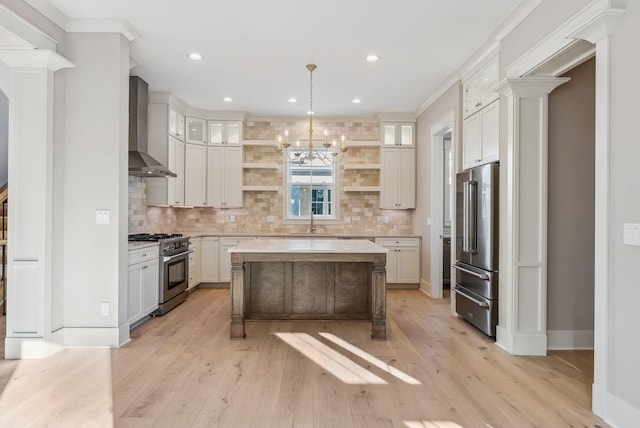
255	51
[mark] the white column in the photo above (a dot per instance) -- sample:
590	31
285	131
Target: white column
522	328
30	201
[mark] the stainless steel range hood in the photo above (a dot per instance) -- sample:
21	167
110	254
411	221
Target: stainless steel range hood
140	163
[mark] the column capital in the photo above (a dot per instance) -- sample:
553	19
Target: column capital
600	26
534	85
34	58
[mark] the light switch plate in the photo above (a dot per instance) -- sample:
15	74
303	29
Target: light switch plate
631	234
103	217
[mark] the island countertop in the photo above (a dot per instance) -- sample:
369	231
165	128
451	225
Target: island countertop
325	246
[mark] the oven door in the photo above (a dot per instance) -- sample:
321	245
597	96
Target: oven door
175	276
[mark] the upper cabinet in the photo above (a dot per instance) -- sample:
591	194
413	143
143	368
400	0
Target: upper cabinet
481	126
225	132
196	130
477	89
398	178
397	134
169	151
176	123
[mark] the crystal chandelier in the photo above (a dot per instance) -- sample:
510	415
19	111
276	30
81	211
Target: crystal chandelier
332	153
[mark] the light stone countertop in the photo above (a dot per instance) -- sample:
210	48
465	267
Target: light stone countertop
329	246
136	245
300	235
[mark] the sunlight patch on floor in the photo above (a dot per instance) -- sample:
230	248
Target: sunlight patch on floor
431	424
371	359
330	360
71	388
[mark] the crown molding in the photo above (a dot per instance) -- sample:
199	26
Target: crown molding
121	26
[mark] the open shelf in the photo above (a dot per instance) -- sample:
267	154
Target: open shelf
260	188
361	188
355	166
250	165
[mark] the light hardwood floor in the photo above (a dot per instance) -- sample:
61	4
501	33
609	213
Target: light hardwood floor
181	370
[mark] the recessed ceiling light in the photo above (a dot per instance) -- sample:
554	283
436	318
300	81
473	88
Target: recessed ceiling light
372	58
227	99
195	56
292	100
356	101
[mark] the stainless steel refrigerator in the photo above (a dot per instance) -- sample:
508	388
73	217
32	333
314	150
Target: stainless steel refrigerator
476	284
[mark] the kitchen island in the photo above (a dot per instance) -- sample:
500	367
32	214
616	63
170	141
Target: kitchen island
308	279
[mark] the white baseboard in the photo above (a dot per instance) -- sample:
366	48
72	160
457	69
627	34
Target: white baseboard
620	413
425	287
92	337
27	348
521	344
569	339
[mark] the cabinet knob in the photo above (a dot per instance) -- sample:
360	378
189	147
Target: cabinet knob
478	104
478	160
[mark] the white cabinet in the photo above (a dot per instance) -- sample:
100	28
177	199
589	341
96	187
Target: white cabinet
225	132
481	141
175	123
397	178
209	259
477	92
397	134
143	283
225	258
195	184
195	268
195	130
403	259
169	151
224	177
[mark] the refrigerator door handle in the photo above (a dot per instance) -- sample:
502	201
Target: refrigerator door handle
477	275
470	200
476	301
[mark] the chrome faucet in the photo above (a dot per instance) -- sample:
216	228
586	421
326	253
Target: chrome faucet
312	228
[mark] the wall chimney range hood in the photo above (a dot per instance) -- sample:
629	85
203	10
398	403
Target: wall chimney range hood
140	163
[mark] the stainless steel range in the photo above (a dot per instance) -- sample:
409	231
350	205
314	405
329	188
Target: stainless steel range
174	268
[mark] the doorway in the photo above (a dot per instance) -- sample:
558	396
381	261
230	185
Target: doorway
571	213
443	144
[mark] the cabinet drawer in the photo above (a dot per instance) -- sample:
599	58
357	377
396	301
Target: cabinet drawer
234	240
143	255
398	242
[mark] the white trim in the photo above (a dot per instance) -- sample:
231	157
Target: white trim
569	339
444	87
121	26
25	348
34	58
21	29
425	287
87	337
620	413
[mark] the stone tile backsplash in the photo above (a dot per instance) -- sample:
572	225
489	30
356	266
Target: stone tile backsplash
263	211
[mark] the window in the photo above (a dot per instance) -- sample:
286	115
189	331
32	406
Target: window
310	186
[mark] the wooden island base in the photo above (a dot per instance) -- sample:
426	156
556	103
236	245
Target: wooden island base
282	279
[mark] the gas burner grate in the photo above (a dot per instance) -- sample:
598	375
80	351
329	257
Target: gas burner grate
153	236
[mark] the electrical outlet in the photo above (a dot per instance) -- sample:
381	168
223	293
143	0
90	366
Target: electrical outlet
631	234
385	220
347	220
105	309
232	218
271	218
103	217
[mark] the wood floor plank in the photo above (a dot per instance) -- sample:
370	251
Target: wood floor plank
182	370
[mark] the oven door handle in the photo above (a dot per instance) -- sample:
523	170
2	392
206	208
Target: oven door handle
477	275
476	301
169	258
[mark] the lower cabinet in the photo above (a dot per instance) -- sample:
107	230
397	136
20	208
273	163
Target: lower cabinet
195	268
403	259
143	283
225	257
209	259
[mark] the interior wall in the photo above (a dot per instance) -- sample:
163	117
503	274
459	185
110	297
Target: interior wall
95	144
450	100
4	138
571	198
624	292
